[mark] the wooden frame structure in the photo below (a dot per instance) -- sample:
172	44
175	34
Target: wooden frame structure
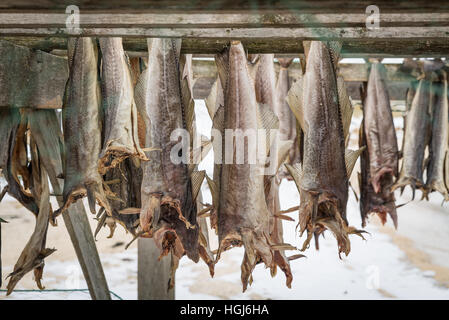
29	30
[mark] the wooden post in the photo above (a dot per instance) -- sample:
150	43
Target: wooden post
77	224
152	275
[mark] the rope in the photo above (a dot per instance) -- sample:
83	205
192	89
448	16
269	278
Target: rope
60	290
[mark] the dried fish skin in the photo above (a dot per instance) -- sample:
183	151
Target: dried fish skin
35	251
119	108
82	127
168	211
380	203
438	145
238	190
266	95
416	137
379	128
287	120
323	110
13	126
379	162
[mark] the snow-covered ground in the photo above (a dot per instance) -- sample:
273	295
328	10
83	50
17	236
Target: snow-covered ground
410	263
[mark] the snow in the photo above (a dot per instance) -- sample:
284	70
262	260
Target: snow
376	268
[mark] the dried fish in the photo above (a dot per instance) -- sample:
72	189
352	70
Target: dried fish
169	209
438	145
379	162
82	127
241	213
323	110
417	136
119	108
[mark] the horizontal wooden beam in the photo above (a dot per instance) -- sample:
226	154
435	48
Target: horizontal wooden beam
36	79
400	6
229	25
359	48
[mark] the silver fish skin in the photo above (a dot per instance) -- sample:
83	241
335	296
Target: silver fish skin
119	108
439	142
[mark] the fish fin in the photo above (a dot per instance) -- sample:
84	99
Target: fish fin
345	106
268	118
186	91
197	179
215	96
295	171
140	93
214	190
306	46
222	62
100	225
351	157
200	152
284	148
253	67
295	101
334	51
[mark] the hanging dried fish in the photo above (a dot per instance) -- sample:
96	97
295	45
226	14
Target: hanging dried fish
323	110
266	95
34	253
287	121
379	161
241	213
417	136
82	127
169	210
13	159
119	108
438	145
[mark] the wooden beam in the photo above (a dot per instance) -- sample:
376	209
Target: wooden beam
351	48
152	275
400	6
230	25
35	79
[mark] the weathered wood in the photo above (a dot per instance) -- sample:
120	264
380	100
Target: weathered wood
400	6
351	48
152	275
225	20
78	227
35	79
31	78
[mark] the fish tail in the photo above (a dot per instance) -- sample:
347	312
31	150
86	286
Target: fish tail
151	211
285	62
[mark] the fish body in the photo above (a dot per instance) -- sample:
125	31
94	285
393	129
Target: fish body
439	142
119	108
379	161
243	217
416	137
266	94
323	110
287	120
82	127
168	211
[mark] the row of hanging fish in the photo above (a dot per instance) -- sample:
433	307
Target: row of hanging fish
425	142
117	149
